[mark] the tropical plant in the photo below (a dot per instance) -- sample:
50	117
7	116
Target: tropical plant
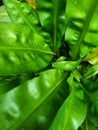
49	65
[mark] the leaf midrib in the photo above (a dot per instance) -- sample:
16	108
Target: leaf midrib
85	27
25	48
55	12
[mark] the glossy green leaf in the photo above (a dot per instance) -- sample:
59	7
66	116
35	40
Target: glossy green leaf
34	103
33	95
92	57
66	65
45	114
22	13
67	117
82	27
71	114
52	17
22	50
92	71
3	15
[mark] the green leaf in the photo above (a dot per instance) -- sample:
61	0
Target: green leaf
74	79
93	110
34	103
52	17
94	96
66	65
91	71
92	57
22	13
8	84
22	50
71	114
90	85
82	27
89	126
3	15
61	58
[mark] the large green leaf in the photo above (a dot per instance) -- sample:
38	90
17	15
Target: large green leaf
21	12
82	29
74	109
3	15
71	114
22	50
52	17
33	104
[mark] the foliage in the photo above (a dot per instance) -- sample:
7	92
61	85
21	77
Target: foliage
49	65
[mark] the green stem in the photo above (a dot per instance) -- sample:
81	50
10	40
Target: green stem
55	12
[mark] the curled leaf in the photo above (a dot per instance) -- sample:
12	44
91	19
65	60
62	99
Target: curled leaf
66	65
